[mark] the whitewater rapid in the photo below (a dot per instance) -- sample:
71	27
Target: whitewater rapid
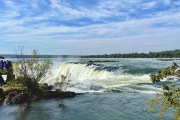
94	78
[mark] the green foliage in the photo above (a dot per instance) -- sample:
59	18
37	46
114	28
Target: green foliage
30	71
164	73
33	68
14	83
59	91
170	98
44	88
10	88
10	74
154	78
3	72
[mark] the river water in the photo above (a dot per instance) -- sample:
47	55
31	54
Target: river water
107	91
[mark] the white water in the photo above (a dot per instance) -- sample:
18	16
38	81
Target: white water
83	78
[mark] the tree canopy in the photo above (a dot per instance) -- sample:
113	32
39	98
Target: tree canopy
163	54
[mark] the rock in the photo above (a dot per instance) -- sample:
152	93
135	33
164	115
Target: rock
52	94
34	98
56	94
21	98
1	81
90	63
67	94
2	94
61	106
16	97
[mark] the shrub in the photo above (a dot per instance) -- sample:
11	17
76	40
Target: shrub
44	88
164	73
30	71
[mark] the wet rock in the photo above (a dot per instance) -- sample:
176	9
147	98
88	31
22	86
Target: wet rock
61	106
55	94
67	94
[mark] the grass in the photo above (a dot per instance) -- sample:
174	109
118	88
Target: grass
8	88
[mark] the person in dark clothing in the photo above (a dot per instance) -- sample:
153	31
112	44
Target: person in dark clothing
1	65
8	64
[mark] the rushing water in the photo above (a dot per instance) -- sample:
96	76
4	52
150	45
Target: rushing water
111	91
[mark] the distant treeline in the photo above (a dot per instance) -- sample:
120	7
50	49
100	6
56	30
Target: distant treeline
163	54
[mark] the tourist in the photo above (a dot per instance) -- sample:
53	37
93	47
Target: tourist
1	65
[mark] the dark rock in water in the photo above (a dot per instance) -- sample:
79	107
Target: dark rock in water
55	94
67	94
90	63
61	106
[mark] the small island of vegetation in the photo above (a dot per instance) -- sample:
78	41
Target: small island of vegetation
26	87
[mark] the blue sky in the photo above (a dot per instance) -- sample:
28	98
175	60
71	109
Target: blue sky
78	27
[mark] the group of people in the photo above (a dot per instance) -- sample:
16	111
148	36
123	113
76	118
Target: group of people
5	64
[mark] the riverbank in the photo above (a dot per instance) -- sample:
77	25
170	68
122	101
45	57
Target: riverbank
10	95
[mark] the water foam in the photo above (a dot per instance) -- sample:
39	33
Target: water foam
88	78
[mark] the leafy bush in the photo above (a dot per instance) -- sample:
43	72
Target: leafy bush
170	98
164	73
30	71
44	88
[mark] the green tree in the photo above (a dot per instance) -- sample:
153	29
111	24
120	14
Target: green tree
29	71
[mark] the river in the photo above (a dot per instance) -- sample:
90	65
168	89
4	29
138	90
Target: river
107	91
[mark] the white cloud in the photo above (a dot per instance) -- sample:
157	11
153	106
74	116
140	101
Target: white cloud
108	30
149	5
167	2
150	27
176	3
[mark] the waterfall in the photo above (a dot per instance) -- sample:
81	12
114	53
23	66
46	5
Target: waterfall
78	72
92	77
83	72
